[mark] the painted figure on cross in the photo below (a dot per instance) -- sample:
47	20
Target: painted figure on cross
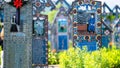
91	23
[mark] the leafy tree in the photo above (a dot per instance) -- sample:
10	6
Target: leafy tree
119	16
111	17
52	14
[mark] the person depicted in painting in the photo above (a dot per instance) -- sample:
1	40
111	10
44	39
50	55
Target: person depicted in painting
91	23
14	27
62	25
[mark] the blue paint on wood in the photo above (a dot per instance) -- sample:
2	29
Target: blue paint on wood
91	26
105	41
63	42
39	51
91	46
1	15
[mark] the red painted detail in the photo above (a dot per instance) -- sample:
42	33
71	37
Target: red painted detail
18	3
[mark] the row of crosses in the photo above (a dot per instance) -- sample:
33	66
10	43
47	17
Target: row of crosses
41	4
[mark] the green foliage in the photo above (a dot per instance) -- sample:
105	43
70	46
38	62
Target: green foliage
111	17
77	58
52	55
53	58
0	25
70	43
119	15
52	14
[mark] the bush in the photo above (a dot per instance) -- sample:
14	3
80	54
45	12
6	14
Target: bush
52	55
53	58
77	58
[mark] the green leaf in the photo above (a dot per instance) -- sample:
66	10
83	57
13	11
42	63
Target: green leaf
52	14
111	17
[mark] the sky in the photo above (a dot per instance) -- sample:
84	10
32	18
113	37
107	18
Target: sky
111	3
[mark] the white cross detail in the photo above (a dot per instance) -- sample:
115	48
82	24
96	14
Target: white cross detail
107	32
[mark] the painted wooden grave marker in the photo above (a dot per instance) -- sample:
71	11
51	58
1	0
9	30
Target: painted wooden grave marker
86	28
17	43
62	29
40	41
40	33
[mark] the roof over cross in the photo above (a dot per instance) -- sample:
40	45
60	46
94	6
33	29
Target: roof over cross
40	5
